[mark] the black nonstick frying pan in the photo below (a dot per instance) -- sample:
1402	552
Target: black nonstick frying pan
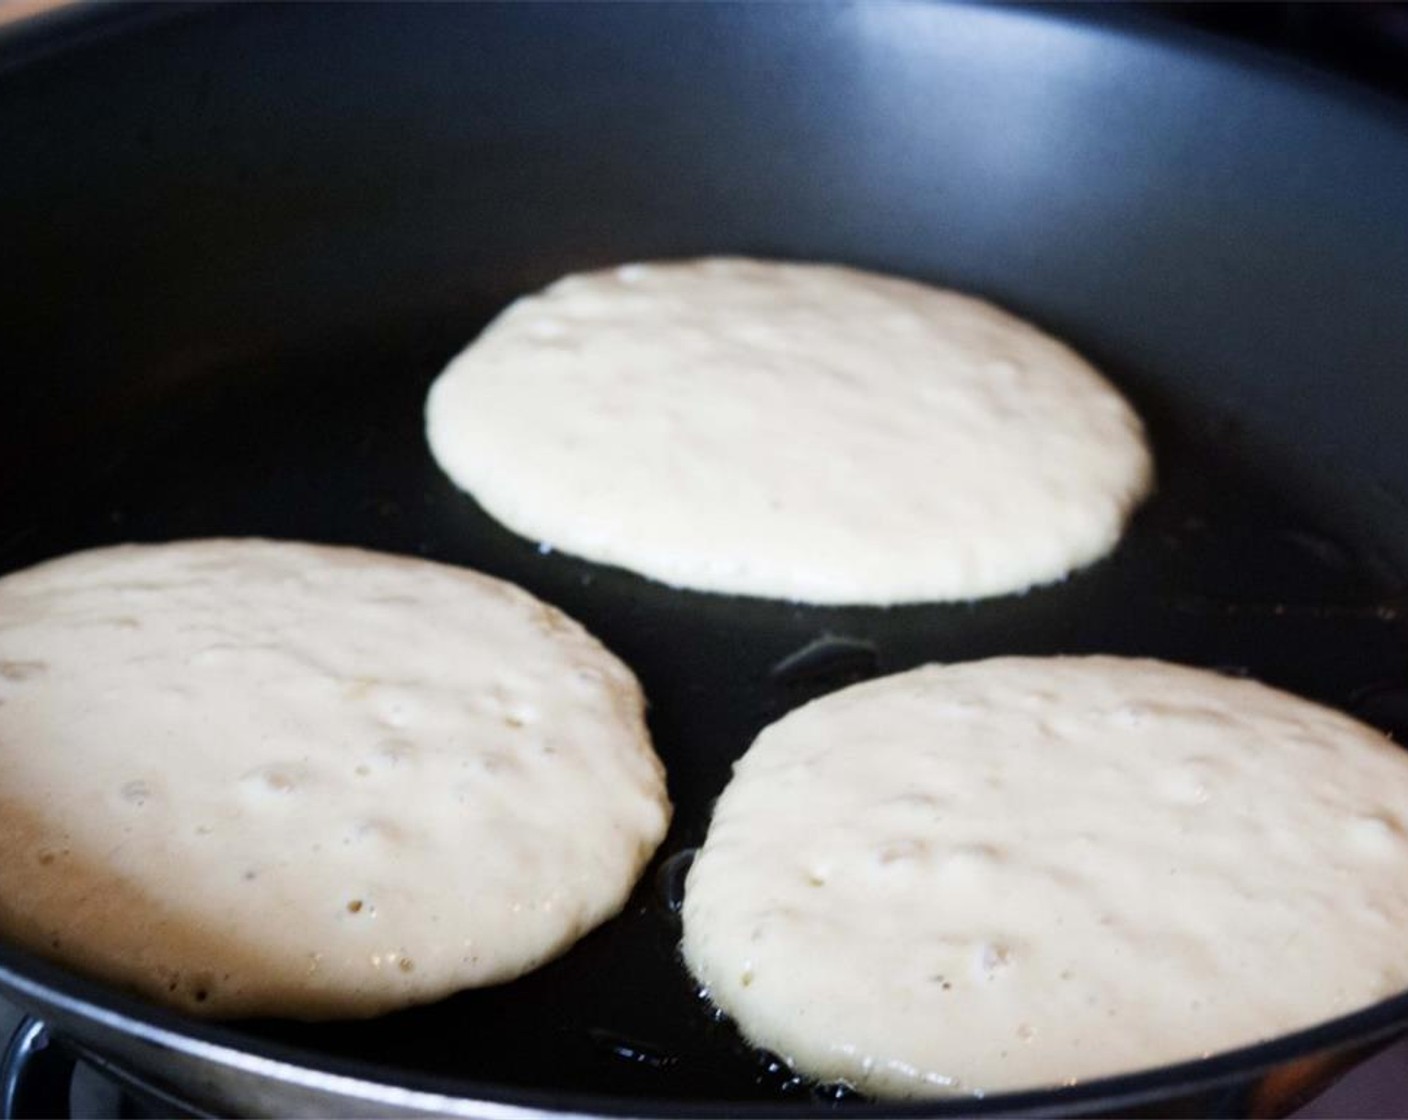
239	241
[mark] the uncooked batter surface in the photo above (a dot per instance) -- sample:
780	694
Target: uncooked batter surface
794	431
247	777
1019	873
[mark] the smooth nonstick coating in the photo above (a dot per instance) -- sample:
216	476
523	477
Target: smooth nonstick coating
239	242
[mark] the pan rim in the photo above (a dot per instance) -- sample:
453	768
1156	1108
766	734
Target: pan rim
225	1045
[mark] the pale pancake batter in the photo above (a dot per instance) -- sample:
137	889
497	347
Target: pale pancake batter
795	431
1020	873
247	777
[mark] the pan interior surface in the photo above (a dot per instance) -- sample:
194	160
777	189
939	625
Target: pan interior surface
231	330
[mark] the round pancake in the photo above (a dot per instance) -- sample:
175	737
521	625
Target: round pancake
1021	873
256	778
794	431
